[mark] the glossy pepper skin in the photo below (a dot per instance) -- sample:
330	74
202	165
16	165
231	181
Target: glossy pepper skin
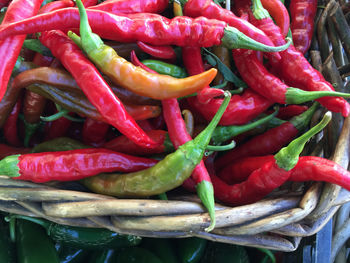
94	132
165	52
94	86
70	165
293	66
10	130
254	73
132	6
279	13
33	244
302	14
191	250
241	109
209	9
270	175
270	141
11	46
167	174
124	145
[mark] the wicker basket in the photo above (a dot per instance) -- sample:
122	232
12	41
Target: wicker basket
278	222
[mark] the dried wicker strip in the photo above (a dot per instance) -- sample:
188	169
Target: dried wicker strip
39	194
127	207
260	240
197	222
306	205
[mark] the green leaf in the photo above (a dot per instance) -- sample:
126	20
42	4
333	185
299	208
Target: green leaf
224	70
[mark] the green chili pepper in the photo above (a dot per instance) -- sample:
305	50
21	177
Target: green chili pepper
33	245
69	254
167	174
137	255
165	68
191	250
59	144
222	253
7	249
161	247
84	237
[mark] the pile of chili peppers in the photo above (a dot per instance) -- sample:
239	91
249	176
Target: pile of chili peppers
137	98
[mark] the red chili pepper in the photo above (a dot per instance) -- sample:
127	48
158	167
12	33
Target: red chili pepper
146	27
266	84
308	168
10	129
270	175
55	5
57	128
241	109
124	145
11	46
89	3
192	59
270	141
6	150
302	13
293	66
70	165
134	60
279	13
165	52
313	168
94	132
94	86
240	169
209	9
4	3
290	111
132	6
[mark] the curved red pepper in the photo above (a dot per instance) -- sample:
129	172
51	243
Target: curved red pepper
132	6
11	46
74	164
302	14
279	13
56	5
209	9
94	86
10	127
165	52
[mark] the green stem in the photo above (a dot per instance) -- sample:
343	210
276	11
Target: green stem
89	41
288	156
233	38
56	116
259	11
224	133
217	148
302	120
298	96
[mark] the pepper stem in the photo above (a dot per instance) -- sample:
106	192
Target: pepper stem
9	166
217	148
302	120
224	133
233	38
89	41
259	11
44	223
288	156
298	96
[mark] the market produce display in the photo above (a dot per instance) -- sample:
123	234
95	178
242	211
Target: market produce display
134	99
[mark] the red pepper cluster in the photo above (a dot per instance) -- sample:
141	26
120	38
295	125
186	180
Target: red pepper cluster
121	128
